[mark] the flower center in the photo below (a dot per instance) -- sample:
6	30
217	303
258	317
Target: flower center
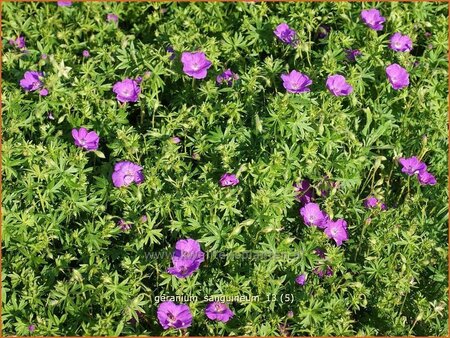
171	318
195	66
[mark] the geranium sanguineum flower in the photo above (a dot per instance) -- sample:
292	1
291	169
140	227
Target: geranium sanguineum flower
112	17
338	86
373	19
125	173
226	77
285	34
64	3
124	226
127	90
313	216
195	64
31	81
426	178
398	76
171	315
400	43
85	139
19	42
86	53
296	82
301	279
228	180
186	258
412	165
337	230
218	311
304	191
352	54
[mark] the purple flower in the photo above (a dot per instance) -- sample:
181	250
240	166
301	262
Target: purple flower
112	17
195	64
426	178
64	3
352	54
175	140
127	90
427	34
123	225
85	139
400	43
304	192
370	202
86	53
323	31
337	85
218	311
172	53
144	218
286	34
171	315
328	272
19	42
186	258
226	77
31	328
373	19
398	76
43	56
412	165
290	314
296	82
337	230
313	216
228	180
125	173
301	279
319	252
43	92
31	81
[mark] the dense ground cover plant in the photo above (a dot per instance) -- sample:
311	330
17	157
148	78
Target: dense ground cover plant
295	152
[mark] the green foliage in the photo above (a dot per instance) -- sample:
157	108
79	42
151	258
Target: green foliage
67	267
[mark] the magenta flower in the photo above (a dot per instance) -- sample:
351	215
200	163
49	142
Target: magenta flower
301	279
86	53
175	140
125	173
172	52
195	64
296	82
337	230
373	19
313	216
85	139
186	258
228	180
226	77
219	312
31	328
370	202
112	17
338	86
352	54
328	272
426	178
171	315
412	165
127	91
123	225
43	92
64	3
304	192
31	81
19	42
286	34
398	76
400	43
